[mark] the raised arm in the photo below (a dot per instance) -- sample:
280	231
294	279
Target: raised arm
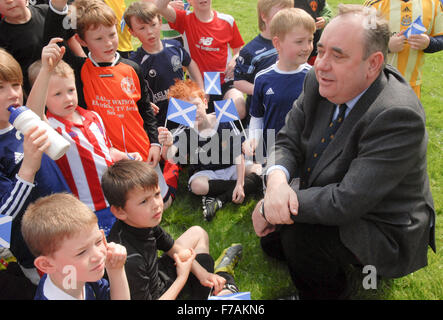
51	56
165	9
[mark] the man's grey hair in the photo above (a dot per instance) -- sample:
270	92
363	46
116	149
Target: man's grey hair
376	28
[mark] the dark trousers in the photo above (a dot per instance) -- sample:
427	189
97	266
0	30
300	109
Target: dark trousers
316	258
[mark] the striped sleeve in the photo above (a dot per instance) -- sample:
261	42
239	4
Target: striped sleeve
14	196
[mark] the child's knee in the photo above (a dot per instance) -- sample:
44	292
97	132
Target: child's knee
199	186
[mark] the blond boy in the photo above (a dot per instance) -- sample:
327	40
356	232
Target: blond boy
63	234
259	53
278	86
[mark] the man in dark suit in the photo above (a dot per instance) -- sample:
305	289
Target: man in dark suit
357	138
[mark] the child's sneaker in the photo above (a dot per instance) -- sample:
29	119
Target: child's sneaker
229	259
210	207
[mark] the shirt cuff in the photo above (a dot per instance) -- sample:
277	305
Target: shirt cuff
24	181
64	12
277	167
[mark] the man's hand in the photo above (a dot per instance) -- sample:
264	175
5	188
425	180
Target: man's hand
261	226
280	199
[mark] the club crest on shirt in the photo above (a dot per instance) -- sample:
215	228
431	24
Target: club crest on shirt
406	20
127	85
152	73
176	63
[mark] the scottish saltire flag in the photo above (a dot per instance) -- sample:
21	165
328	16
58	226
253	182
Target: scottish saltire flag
416	27
225	111
186	6
5	230
181	112
234	296
212	82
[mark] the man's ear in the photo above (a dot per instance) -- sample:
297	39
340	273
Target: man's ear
45	264
80	40
375	63
119	213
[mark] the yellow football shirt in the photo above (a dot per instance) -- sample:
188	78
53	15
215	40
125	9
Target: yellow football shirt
400	15
124	37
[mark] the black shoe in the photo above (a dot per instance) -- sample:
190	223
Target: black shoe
210	207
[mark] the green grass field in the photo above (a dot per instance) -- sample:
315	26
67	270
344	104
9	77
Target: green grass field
269	279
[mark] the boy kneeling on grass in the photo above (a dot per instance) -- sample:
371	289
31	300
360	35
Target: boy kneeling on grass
131	188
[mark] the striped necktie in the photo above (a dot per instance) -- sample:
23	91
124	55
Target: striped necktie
327	137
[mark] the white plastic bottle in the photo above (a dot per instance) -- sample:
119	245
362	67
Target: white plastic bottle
23	119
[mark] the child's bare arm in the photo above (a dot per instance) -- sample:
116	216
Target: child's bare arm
183	269
51	56
115	268
195	74
165	10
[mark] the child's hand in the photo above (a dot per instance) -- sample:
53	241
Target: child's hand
213	281
320	23
52	54
397	42
184	267
239	194
185	254
34	144
155	108
134	156
115	255
249	146
154	156
177	4
165	137
419	41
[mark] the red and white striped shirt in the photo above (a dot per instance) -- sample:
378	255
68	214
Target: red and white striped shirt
88	157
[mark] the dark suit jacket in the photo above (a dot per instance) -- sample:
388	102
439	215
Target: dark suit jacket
371	181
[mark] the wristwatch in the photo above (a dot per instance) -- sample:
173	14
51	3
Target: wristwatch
261	209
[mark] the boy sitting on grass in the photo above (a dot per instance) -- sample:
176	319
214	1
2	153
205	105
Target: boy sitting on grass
131	188
217	170
63	234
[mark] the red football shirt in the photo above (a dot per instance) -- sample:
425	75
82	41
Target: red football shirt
209	43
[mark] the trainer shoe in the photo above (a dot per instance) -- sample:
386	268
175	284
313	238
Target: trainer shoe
210	207
229	259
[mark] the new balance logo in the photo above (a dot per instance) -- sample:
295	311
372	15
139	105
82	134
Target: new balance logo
269	92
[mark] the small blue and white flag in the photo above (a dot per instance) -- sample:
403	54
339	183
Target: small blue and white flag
122	24
5	230
226	111
181	112
212	82
416	27
187	5
234	296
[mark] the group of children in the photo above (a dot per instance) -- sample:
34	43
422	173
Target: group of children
121	171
